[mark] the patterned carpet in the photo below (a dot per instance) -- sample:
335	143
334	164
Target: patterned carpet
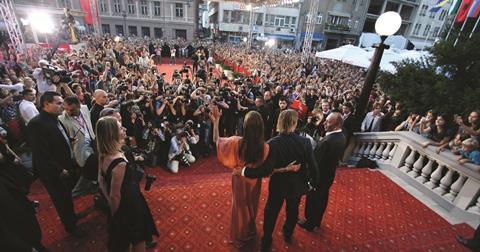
366	212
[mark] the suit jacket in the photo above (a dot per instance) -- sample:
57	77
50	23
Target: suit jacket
327	154
51	151
285	149
81	151
367	121
348	125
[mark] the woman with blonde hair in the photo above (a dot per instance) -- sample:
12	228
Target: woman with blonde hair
130	220
236	152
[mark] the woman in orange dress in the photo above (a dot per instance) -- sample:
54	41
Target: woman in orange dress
236	152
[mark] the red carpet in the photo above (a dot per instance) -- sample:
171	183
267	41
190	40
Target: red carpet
366	212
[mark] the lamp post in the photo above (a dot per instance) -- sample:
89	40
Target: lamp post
124	15
387	24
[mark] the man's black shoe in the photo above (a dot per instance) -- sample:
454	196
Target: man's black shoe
150	244
77	232
466	243
303	224
266	245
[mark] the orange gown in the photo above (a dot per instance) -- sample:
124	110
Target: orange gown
245	191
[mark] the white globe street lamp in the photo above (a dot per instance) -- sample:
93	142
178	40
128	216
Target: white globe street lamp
386	25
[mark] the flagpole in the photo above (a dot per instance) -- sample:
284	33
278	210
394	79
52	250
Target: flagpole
463	25
453	23
474	28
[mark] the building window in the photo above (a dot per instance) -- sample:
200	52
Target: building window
225	16
145	31
119	29
103	6
391	6
236	17
435	32
319	18
337	20
117	6
416	29
132	31
180	33
279	21
432	14
144	8
179	10
423	11
157	32
259	19
293	22
427	30
442	16
106	28
156	8
131	7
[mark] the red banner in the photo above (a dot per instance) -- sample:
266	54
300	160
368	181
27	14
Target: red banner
88	19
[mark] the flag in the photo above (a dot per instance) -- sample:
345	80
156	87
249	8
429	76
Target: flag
454	7
463	10
474	9
439	5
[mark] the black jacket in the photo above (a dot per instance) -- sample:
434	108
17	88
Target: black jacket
285	149
51	152
327	154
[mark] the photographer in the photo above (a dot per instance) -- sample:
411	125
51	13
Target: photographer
179	152
43	83
191	129
200	110
314	129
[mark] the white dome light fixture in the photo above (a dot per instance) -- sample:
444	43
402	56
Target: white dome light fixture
388	23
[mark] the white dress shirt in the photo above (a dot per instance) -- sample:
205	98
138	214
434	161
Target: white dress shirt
27	110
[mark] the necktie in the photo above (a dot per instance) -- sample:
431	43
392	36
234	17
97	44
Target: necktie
371	124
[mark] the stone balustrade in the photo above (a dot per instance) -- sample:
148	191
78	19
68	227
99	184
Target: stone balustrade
438	175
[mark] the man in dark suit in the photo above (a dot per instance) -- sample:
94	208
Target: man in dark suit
285	148
327	154
53	158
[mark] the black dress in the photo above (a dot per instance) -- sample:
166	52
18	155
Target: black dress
132	222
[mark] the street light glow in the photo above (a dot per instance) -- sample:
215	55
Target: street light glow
388	23
270	42
41	22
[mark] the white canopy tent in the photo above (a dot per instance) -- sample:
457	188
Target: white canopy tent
349	54
392	55
357	56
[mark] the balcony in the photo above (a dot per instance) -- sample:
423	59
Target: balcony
439	177
337	28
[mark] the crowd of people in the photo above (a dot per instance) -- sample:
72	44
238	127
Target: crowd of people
93	117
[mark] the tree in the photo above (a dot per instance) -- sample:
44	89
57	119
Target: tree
448	82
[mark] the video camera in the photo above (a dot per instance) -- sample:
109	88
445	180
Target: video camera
51	71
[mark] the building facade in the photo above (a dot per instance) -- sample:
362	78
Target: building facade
157	19
338	22
230	21
427	26
166	19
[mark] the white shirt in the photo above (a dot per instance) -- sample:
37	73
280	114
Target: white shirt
27	110
43	84
331	132
17	87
